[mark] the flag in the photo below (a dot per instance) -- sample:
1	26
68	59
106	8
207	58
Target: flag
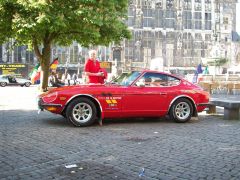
36	77
35	74
54	64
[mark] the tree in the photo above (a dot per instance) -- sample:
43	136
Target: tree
218	62
42	23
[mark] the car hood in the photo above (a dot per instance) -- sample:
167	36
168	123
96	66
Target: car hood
81	88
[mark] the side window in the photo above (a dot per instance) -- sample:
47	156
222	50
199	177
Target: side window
172	81
157	80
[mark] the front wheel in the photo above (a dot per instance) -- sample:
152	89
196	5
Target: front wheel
181	110
3	84
27	84
81	112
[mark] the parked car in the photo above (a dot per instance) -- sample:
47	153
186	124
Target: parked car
10	80
138	94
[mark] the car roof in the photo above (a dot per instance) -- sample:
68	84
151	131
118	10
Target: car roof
154	71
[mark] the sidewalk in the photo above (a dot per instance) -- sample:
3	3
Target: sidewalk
225	97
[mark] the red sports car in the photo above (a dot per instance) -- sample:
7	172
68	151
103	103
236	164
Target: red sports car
138	94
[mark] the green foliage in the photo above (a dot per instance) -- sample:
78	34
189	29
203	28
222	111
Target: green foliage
218	62
42	23
89	22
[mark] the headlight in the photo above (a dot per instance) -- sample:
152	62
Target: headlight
50	97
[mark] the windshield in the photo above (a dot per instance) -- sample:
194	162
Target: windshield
126	79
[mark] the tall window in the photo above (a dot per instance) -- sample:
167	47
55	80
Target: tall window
198	45
198	5
147	46
147	39
208	6
187	44
158	43
158	16
187	5
187	19
198	20
147	16
170	19
129	46
208	19
131	13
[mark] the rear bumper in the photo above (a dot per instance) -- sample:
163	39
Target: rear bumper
202	106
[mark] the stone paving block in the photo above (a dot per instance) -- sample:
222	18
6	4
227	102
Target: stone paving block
39	146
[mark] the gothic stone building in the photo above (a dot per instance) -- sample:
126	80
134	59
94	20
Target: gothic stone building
181	32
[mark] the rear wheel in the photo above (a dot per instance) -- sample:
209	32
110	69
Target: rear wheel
181	110
81	112
3	84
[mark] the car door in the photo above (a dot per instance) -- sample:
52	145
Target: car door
146	100
110	98
12	80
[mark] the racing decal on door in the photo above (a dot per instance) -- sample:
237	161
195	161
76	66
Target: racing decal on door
112	102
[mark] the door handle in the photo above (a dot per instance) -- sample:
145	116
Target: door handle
163	93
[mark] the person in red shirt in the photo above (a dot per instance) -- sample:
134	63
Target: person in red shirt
92	69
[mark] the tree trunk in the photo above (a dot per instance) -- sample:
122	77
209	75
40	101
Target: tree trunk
45	64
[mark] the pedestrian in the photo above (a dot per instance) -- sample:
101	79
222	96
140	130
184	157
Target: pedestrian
51	80
68	79
196	74
74	78
54	81
63	78
206	71
92	69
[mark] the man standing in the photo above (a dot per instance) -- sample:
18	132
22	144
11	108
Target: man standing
68	79
74	77
92	69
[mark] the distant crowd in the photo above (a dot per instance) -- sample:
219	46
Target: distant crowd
93	73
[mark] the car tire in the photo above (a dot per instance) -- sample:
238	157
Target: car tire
64	114
181	111
3	84
27	84
81	112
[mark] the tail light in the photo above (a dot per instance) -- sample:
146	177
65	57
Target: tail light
50	97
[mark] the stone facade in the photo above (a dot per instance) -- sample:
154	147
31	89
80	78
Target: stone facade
181	32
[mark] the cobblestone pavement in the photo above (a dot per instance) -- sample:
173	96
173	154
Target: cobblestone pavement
42	146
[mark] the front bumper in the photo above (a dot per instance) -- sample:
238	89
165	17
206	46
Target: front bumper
49	107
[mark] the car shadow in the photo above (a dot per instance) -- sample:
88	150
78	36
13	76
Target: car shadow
144	121
10	117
